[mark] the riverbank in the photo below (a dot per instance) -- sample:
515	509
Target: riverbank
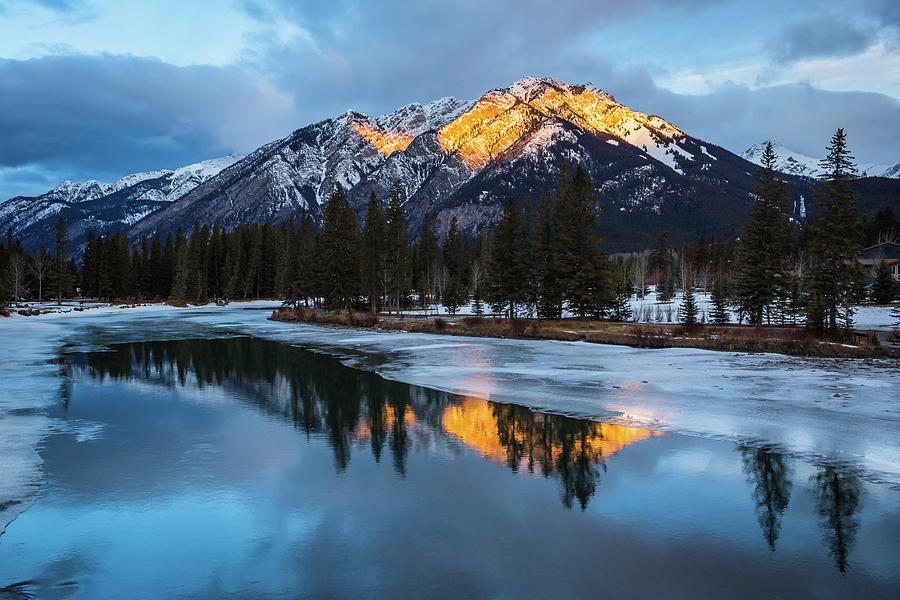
791	341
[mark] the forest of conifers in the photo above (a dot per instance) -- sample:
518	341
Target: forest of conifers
542	259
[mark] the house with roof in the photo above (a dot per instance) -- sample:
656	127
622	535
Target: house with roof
888	252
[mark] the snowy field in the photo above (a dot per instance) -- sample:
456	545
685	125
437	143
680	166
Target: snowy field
845	410
649	310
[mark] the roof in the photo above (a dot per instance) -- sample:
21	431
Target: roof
888	251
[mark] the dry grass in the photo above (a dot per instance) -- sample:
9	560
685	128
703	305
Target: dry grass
782	340
308	315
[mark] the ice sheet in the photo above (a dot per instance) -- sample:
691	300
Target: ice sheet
837	409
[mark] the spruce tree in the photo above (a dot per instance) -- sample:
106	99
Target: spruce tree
397	255
719	314
505	267
374	252
583	267
426	259
305	282
659	260
456	262
883	285
61	279
621	308
764	243
688	311
340	251
548	283
835	235
181	270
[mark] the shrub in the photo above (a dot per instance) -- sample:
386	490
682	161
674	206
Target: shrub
364	320
440	324
472	321
517	327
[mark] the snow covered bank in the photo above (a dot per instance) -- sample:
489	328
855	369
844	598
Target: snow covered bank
840	410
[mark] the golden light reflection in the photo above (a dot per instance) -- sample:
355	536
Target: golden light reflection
386	142
493	429
389	416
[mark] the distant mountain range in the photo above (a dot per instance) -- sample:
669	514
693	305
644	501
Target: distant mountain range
795	163
459	159
102	207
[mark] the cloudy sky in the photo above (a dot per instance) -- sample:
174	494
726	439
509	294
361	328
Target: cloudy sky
101	88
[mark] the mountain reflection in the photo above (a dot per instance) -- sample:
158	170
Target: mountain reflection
354	409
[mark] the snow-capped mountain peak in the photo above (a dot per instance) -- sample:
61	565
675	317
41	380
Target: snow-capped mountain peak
795	163
94	205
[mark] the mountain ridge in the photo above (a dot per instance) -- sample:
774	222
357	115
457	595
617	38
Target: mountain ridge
461	159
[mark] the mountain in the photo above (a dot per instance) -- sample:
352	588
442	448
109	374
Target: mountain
795	163
463	159
102	207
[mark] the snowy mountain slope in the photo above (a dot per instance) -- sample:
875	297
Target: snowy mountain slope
462	159
795	163
102	206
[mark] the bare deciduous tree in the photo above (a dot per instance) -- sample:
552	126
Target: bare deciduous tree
17	268
40	266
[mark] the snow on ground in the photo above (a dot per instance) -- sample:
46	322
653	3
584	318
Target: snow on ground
650	310
846	410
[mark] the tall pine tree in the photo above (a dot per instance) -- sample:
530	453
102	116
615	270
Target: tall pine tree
764	243
835	237
374	253
340	251
61	279
581	264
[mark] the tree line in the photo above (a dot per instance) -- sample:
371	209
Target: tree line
543	258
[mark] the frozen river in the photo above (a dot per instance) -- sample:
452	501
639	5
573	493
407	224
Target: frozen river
729	412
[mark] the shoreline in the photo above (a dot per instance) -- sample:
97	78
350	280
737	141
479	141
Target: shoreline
788	341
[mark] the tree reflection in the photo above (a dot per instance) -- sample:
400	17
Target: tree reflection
769	474
348	408
838	501
574	450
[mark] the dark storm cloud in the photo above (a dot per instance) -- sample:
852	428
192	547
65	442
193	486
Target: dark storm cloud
886	11
799	116
80	117
118	114
367	54
822	37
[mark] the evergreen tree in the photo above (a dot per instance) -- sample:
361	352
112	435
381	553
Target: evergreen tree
548	286
665	288
764	243
456	262
835	235
583	267
883	285
621	308
660	258
306	280
687	312
340	250
181	271
61	279
895	313
719	314
374	251
397	257
505	269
